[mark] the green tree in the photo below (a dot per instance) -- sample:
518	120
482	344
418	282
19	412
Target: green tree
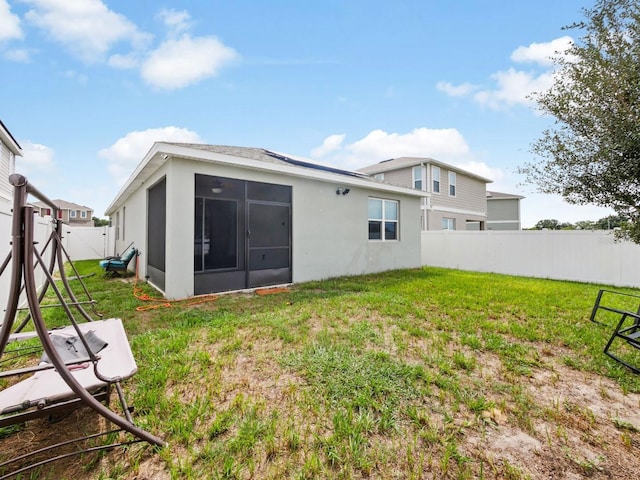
591	155
610	222
100	222
586	225
549	224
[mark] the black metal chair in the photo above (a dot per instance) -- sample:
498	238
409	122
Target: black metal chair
627	328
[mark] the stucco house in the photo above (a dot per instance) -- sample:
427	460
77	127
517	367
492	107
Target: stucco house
503	211
457	198
211	218
9	150
69	212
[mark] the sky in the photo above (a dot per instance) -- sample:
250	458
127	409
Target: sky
88	86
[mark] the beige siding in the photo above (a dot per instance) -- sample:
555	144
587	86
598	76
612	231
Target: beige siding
402	177
503	209
435	217
471	194
5	171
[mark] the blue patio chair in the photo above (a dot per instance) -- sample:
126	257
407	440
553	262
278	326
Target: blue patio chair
114	265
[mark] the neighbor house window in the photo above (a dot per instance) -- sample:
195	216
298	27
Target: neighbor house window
379	177
417	177
448	223
452	184
83	214
383	219
72	214
435	175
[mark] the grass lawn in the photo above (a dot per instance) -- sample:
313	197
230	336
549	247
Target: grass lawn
426	373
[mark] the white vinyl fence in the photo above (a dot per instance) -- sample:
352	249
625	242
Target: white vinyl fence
41	234
81	243
86	243
584	256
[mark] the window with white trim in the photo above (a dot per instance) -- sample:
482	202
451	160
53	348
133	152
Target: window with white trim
383	219
435	176
417	177
72	214
83	214
379	177
448	223
452	184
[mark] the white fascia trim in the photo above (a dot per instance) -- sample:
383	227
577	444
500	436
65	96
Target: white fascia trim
458	210
503	221
6	138
161	152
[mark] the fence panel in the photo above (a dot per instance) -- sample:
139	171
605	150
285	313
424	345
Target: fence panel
87	243
42	230
585	256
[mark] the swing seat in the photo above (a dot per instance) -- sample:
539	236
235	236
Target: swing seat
115	265
45	387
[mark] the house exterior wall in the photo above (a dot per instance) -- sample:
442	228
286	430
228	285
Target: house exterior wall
503	214
468	205
6	169
402	177
129	222
471	194
329	231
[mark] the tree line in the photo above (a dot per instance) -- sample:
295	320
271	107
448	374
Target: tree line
612	222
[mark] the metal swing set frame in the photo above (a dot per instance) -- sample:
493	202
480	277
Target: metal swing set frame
57	385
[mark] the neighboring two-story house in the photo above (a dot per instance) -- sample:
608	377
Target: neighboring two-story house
9	149
458	198
503	211
70	213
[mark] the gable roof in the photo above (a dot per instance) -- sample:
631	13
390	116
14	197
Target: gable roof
63	205
503	196
407	162
247	158
7	139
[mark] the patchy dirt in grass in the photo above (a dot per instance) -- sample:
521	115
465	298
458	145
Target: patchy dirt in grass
579	425
583	426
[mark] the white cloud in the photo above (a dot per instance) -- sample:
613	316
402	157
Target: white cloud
176	21
330	144
127	152
461	90
17	55
36	158
124	62
92	32
484	170
513	87
88	28
178	63
9	23
446	144
542	53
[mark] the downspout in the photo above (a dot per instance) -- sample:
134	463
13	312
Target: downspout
427	188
